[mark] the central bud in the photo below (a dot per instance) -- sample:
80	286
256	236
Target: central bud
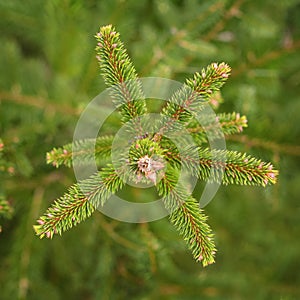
150	167
146	160
145	164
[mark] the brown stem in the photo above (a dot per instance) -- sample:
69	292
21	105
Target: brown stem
38	102
274	147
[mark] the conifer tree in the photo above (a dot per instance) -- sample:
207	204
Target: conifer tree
152	157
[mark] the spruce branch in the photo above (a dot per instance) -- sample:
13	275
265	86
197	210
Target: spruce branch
190	221
209	80
119	73
197	91
188	218
239	168
154	157
81	152
230	123
76	205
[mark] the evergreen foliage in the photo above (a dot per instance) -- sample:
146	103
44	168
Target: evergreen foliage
147	153
48	74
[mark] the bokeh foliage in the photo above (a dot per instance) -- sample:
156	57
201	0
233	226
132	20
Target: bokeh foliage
48	73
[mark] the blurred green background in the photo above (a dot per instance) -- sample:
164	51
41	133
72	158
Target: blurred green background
48	73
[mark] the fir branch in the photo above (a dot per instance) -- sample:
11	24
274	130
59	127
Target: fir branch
196	92
230	123
239	168
78	203
119	73
188	218
81	152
